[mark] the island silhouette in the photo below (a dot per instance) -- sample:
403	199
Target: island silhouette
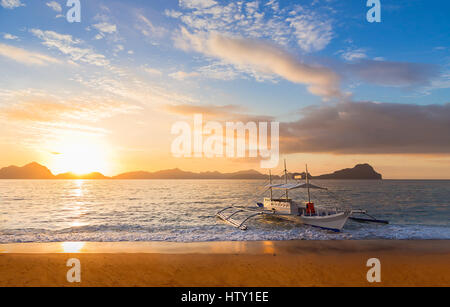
360	171
37	171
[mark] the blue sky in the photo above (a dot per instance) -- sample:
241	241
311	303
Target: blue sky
129	60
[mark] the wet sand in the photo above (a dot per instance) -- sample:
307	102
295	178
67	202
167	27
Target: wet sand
267	263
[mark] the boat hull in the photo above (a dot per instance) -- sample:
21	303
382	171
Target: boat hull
334	222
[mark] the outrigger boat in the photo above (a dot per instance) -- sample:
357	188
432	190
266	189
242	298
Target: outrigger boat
284	207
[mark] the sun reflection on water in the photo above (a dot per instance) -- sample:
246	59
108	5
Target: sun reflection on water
78	224
78	190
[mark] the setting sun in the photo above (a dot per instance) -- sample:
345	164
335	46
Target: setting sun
81	157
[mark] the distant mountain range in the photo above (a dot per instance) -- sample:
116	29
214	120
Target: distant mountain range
37	171
360	171
179	174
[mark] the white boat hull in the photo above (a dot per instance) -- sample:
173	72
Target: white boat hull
288	209
333	222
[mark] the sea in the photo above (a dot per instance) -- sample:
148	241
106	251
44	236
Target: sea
184	210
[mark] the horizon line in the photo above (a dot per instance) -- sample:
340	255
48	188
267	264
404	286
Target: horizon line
193	172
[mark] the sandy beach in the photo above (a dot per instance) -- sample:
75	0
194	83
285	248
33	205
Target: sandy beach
267	263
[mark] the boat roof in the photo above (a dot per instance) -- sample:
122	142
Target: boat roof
285	186
292	186
311	186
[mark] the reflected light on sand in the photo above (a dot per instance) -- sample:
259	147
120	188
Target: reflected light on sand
226	247
72	247
268	247
242	247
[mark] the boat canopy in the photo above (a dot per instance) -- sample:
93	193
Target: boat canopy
311	186
292	186
284	186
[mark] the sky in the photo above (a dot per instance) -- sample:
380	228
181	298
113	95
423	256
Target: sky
102	94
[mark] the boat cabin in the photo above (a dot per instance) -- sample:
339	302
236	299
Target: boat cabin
281	206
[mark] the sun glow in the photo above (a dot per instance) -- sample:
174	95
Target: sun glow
72	247
81	157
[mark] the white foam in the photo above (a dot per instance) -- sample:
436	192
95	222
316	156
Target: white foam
227	233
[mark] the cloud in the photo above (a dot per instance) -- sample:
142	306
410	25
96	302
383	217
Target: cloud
54	6
209	110
202	4
67	45
256	21
222	113
369	128
263	57
26	57
10	36
118	48
181	75
350	127
353	54
37	106
291	25
147	28
129	87
388	73
441	82
220	71
152	71
38	116
40	111
11	4
106	27
313	34
274	5
172	13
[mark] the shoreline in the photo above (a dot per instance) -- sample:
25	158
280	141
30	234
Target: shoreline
222	247
230	263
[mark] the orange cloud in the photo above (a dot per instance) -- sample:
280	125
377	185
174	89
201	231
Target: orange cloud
210	110
42	111
46	108
265	58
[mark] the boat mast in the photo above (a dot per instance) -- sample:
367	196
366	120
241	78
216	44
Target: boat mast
307	184
270	181
285	178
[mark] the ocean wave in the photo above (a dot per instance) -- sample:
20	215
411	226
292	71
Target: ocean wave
184	212
222	233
